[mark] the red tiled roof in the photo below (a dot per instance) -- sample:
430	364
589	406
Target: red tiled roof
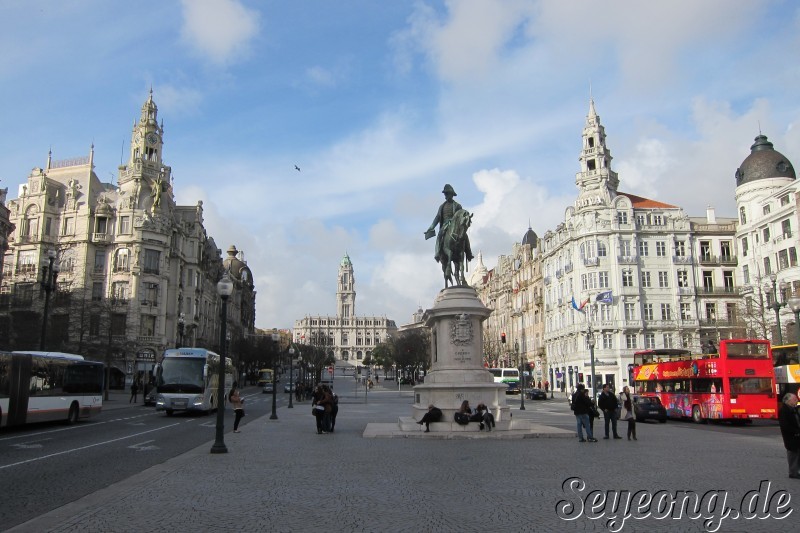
640	202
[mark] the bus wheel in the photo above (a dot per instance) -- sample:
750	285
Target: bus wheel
169	412
696	416
72	417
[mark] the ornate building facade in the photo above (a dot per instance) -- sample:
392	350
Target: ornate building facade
768	237
136	272
348	338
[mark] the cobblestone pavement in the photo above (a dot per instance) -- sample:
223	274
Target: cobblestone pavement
279	475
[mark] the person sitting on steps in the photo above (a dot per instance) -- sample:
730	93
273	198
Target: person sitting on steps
434	414
484	416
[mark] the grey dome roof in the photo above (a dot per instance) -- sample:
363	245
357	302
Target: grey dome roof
764	162
530	238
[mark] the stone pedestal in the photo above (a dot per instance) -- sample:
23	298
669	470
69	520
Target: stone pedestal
457	372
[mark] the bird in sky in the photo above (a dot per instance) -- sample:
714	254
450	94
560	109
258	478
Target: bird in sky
297	168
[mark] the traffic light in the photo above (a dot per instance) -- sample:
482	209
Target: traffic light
580	377
503	338
531	365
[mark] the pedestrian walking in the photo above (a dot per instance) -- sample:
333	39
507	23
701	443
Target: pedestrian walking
334	408
789	420
608	404
134	391
238	406
582	408
627	412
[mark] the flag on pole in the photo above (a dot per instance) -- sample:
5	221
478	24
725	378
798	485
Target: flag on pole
605	298
577	307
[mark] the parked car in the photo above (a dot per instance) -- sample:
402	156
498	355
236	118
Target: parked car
537	394
268	388
513	387
150	399
645	407
289	387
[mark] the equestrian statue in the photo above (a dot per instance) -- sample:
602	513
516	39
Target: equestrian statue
452	243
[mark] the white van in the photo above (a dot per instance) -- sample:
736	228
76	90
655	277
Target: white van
505	375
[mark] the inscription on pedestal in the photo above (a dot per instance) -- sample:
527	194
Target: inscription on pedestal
462	356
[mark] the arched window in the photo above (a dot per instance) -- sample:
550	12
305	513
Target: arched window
742	215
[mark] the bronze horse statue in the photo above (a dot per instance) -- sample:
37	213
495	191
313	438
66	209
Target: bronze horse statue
453	248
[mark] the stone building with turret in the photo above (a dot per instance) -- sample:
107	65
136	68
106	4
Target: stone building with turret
137	273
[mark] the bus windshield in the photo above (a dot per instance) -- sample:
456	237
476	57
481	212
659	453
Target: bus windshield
181	375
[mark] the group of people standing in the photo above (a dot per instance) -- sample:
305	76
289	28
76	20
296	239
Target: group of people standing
612	407
324	407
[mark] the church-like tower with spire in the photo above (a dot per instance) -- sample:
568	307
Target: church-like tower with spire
138	273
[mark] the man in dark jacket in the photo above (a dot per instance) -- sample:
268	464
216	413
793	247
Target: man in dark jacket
582	407
608	404
789	421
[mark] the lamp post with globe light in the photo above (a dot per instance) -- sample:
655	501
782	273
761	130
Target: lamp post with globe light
49	275
224	289
292	383
777	290
591	340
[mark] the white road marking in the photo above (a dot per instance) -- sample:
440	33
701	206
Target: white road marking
84	447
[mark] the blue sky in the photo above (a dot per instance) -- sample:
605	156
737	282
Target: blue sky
380	103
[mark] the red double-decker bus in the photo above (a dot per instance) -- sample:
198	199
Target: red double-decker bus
735	384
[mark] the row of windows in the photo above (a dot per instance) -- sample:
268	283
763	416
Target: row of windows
589	250
783	259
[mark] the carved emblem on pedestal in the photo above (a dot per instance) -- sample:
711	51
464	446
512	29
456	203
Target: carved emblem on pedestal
461	331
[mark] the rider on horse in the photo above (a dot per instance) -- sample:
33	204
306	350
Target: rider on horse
444	217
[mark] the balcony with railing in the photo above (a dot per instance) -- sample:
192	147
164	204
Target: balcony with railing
728	260
591	261
627	259
101	238
149	339
682	259
28	268
710	290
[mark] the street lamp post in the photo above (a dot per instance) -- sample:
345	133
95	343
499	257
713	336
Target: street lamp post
590	338
777	301
224	289
291	377
274	415
521	375
552	381
49	275
181	325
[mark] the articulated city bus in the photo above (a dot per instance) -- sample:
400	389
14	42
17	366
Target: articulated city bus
787	369
735	384
187	379
48	386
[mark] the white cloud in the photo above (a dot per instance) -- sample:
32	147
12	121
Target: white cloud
219	29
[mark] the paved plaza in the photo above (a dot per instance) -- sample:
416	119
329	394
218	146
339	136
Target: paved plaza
279	475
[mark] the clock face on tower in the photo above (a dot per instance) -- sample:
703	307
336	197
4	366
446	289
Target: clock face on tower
152	138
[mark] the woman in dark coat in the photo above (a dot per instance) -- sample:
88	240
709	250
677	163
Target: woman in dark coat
789	420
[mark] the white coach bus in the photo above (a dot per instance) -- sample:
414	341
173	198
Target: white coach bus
187	379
